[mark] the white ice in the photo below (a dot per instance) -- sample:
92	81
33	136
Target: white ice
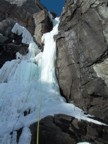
29	84
20	30
83	143
25	138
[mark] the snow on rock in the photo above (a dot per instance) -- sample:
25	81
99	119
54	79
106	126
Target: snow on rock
102	70
28	84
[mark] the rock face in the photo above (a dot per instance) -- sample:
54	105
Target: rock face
43	24
22	14
20	11
82	44
8	51
62	129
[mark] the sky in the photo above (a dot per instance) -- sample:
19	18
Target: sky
54	5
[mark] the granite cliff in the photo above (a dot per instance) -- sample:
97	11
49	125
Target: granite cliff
82	52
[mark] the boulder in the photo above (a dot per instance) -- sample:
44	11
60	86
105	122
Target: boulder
8	51
43	24
6	26
63	129
2	38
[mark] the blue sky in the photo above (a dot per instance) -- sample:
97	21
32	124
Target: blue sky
54	5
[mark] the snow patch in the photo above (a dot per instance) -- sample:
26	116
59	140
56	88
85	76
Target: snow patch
102	70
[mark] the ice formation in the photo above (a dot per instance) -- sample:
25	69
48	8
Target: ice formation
83	143
29	85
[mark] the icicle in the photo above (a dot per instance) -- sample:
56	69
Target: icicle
14	138
25	137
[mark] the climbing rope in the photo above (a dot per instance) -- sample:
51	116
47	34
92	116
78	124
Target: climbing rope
39	111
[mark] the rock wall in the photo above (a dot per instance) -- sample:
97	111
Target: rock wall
82	43
22	12
43	24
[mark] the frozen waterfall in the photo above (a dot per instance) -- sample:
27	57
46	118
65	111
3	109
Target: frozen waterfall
27	80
